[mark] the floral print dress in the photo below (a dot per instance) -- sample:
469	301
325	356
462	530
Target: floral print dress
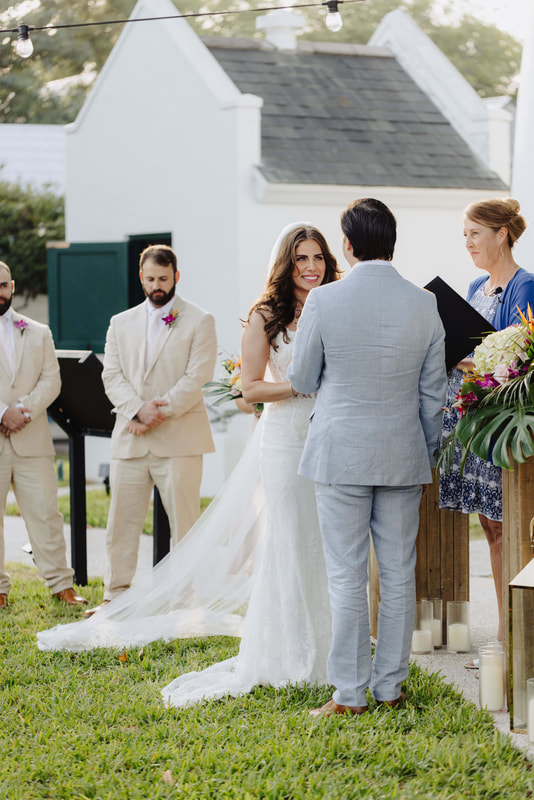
479	489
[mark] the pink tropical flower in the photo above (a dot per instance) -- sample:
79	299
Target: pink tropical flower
171	318
487	381
502	373
21	324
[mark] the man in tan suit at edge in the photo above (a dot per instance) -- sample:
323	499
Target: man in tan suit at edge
158	356
29	382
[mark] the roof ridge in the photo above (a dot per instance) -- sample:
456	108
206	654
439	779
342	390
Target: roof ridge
303	46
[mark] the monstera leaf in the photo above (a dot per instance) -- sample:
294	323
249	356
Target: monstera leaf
494	432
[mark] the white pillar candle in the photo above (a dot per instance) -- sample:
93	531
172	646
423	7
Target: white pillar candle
422	642
437	633
458	637
491	687
530	721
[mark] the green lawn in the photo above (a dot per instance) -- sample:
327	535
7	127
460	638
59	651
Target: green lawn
92	726
97	504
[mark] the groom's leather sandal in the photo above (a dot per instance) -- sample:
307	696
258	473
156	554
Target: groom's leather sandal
331	707
393	703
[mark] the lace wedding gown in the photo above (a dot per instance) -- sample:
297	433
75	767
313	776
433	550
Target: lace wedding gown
236	553
286	632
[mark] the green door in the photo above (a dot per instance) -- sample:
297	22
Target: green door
87	284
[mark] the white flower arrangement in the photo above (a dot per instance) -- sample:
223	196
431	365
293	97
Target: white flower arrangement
501	351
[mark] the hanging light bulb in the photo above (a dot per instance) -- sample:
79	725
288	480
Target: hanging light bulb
334	22
24	46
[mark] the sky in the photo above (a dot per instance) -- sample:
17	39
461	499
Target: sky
510	15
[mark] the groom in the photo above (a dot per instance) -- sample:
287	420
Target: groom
372	347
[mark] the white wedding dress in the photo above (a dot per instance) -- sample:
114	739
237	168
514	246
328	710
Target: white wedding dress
237	552
286	632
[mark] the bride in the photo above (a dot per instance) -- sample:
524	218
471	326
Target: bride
200	587
286	632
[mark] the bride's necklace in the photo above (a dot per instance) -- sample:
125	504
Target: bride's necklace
491	291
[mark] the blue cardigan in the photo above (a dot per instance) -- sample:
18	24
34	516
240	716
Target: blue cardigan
518	292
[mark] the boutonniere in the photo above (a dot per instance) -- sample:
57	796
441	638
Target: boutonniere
171	318
21	324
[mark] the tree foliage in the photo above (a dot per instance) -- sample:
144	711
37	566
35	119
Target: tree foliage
488	58
28	219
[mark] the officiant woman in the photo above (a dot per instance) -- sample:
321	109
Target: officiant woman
491	228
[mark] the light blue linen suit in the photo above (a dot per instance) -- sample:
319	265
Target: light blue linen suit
372	346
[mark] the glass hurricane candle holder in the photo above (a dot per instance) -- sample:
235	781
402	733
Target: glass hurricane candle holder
458	626
492	677
422	636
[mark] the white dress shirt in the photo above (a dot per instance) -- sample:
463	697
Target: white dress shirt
6	337
8	344
155	324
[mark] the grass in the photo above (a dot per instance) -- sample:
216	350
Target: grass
97	503
62	466
79	726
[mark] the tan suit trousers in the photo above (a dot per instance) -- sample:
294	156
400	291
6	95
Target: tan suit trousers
35	487
132	480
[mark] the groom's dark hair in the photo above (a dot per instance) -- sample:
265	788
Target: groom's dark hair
371	229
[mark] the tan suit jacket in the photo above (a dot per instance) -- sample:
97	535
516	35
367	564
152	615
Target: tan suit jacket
183	360
35	384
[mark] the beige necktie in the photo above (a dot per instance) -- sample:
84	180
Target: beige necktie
5	336
152	335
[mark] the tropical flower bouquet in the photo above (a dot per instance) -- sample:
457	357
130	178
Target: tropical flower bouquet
496	401
229	386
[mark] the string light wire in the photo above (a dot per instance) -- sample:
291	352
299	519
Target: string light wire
31	29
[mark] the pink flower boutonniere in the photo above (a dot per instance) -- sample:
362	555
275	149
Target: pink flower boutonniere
171	318
21	325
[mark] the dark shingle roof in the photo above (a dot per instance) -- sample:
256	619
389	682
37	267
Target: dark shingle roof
348	115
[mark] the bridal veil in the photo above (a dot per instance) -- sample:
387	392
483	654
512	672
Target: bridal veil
200	588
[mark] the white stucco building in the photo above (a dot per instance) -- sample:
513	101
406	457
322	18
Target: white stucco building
222	142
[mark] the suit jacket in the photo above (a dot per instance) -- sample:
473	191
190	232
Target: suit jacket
182	361
35	384
372	346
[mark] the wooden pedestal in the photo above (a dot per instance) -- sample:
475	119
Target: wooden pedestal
442	568
518	510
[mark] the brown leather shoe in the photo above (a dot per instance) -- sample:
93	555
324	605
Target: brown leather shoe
331	708
393	703
3	601
70	597
90	611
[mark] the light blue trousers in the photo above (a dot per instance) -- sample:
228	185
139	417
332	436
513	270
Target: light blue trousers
347	514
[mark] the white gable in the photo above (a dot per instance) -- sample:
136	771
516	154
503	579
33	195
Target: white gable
174	36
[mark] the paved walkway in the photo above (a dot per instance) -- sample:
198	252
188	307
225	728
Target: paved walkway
483	609
483	628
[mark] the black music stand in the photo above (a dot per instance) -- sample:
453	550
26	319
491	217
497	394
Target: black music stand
83	409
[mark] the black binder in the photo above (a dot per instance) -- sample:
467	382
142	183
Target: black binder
464	326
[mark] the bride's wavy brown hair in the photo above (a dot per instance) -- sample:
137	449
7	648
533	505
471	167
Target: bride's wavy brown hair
278	303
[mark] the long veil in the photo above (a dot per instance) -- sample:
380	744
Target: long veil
200	588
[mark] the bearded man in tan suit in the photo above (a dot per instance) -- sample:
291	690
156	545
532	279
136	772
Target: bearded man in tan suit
158	356
29	382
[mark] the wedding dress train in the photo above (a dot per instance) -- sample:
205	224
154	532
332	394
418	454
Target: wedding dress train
236	551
